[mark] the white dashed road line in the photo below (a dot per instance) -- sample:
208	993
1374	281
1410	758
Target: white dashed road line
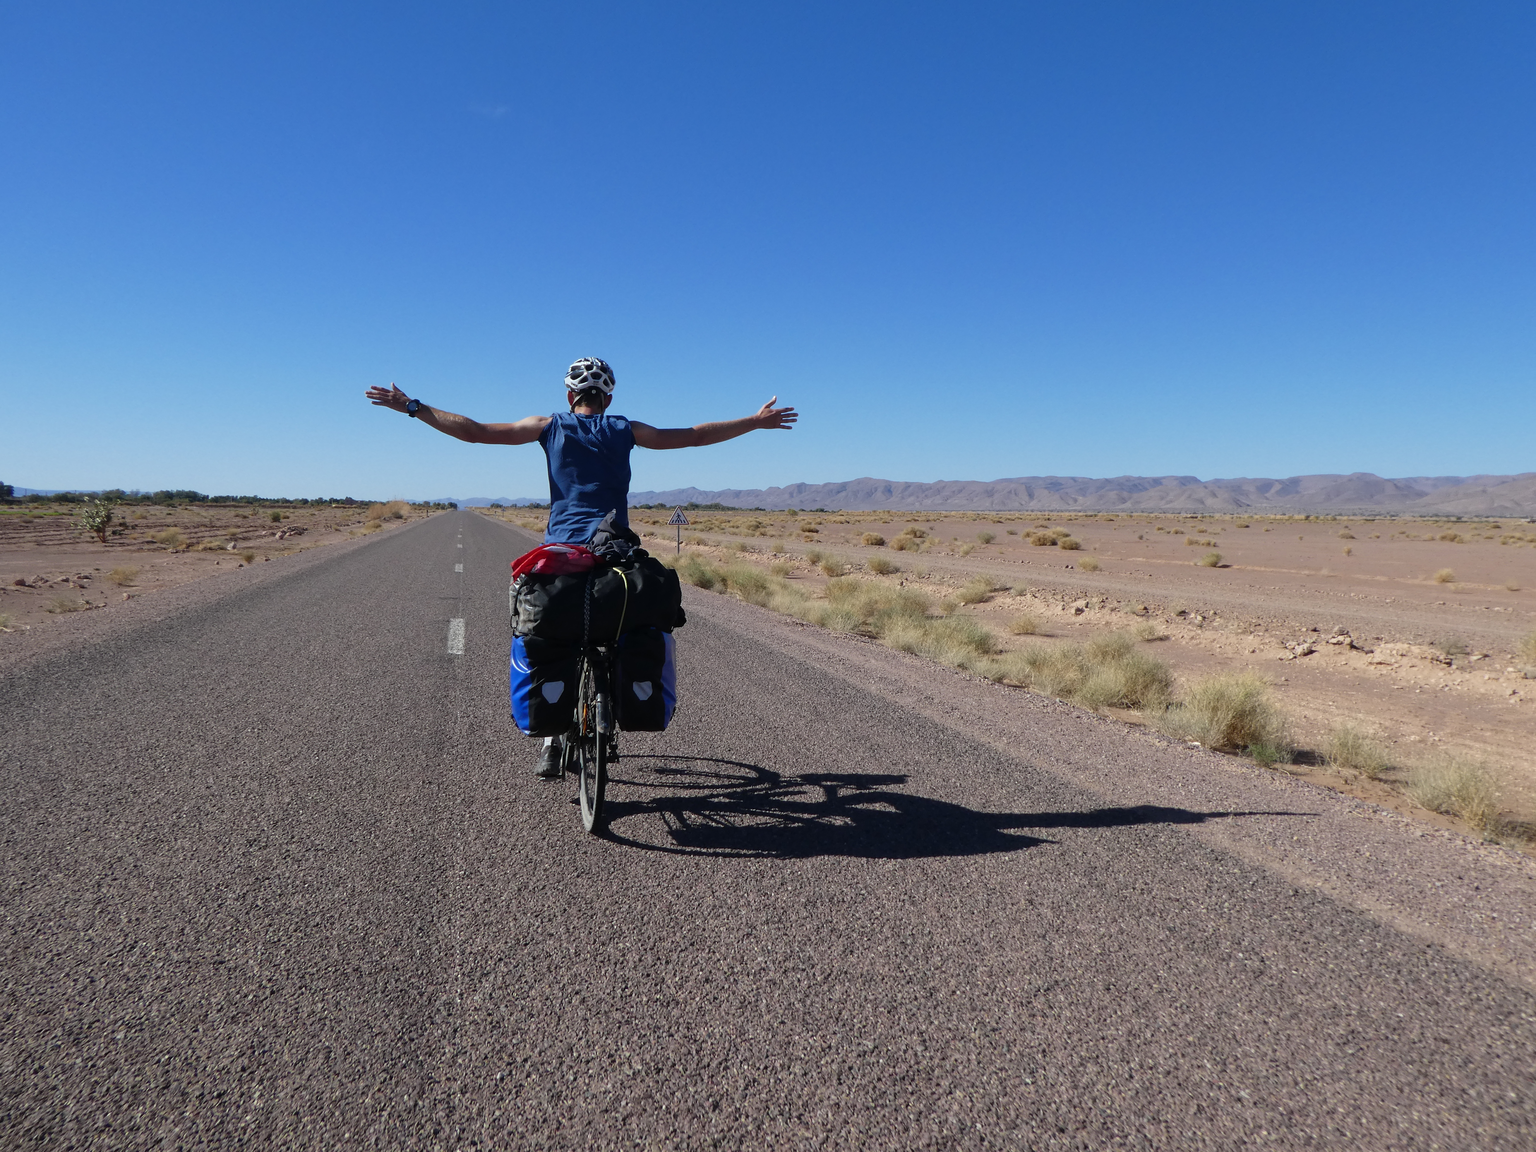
458	567
456	637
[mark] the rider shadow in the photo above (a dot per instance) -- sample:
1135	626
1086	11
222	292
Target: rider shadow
712	807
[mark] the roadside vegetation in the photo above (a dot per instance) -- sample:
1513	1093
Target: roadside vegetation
1229	712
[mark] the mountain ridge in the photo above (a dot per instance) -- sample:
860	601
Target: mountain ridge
1485	495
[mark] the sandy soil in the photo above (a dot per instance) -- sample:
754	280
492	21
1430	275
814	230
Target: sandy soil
1343	616
49	568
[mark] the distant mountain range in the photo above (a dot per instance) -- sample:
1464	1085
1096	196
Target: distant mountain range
1359	492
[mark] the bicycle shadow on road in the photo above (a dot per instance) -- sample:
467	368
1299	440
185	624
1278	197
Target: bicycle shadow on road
713	807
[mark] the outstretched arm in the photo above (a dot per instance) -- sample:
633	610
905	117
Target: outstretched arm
524	431
700	434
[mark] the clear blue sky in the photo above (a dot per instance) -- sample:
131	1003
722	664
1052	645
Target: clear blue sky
967	240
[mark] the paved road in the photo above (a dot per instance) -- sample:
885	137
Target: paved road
277	875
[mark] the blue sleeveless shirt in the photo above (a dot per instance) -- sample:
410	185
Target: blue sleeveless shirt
588	473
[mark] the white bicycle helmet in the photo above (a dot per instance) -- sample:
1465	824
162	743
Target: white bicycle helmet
589	373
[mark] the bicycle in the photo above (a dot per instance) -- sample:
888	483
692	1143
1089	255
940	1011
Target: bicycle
592	743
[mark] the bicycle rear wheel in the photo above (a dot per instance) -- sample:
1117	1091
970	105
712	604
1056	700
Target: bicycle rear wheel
593	751
593	754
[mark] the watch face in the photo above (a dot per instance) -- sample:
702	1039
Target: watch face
413	406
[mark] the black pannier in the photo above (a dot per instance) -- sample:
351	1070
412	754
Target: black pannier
543	684
637	595
645	675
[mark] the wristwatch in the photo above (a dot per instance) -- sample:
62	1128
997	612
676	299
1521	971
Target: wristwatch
412	407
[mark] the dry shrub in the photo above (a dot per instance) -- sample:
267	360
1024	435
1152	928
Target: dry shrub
1088	564
873	539
1527	647
1346	535
1025	625
1147	631
880	566
985	537
903	544
1227	712
779	568
6	620
1351	750
211	546
700	573
1210	560
1108	671
1456	787
1444	576
977	591
967	549
170	537
912	531
1450	537
1068	544
66	604
372	526
1042	539
814	557
248	556
832	566
124	576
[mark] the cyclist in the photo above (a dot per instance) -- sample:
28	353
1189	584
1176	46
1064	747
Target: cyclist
587	453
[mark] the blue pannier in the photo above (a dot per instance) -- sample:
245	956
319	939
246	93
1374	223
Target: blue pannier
646	674
543	685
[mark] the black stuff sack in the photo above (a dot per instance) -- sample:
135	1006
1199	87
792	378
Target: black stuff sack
637	595
543	685
645	674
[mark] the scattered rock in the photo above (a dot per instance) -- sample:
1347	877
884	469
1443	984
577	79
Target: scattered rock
1301	648
21	582
1528	673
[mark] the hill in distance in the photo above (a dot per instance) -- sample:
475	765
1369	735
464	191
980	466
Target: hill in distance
1356	493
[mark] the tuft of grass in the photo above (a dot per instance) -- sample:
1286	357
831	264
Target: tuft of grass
6	621
873	539
66	604
275	515
779	568
977	591
1068	544
1457	787
1444	576
1147	631
1042	539
1351	750
1346	535
1088	564
1210	560
814	557
124	576
832	566
1227	712
248	556
967	549
880	566
372	526
985	537
1108	671
1025	625
170	537
700	573
1527	647
1267	753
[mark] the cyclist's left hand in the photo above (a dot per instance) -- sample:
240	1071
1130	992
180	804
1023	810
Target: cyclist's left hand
390	397
770	417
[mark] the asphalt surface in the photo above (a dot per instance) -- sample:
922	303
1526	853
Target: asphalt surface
277	874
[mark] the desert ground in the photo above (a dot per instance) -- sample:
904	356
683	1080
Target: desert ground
1408	630
50	567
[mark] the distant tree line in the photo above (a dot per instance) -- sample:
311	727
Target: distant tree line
173	496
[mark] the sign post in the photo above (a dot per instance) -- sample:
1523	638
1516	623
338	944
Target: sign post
680	521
